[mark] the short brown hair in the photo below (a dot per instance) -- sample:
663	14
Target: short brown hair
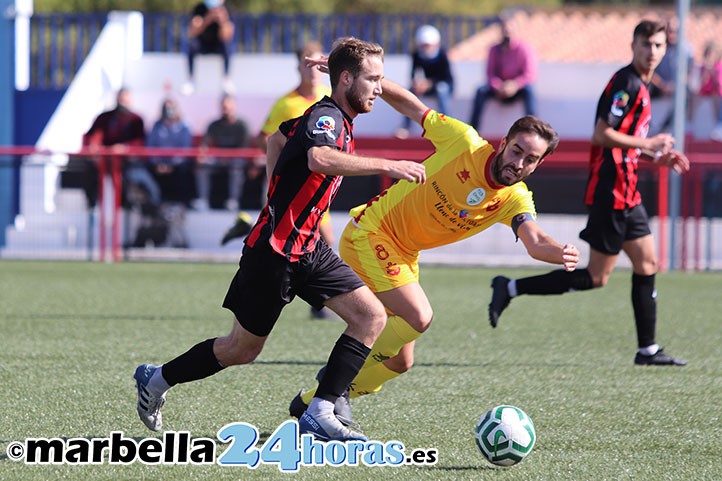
535	125
647	28
347	54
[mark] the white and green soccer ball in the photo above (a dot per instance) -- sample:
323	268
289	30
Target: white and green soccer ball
505	435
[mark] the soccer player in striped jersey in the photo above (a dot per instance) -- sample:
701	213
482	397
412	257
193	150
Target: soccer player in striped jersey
285	257
470	186
310	90
617	218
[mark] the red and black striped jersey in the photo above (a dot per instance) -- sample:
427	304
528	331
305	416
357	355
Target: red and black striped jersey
625	106
297	197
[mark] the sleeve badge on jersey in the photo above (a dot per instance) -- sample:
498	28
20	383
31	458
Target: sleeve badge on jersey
326	125
619	102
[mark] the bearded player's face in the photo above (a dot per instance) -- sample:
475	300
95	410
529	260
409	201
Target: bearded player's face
366	86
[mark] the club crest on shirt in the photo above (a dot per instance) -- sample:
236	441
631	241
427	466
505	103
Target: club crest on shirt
325	125
476	196
463	175
619	101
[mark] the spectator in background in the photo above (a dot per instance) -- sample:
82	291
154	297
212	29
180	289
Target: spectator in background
710	82
173	174
227	132
511	70
430	72
665	76
120	128
210	31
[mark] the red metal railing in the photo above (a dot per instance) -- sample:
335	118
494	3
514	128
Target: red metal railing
705	158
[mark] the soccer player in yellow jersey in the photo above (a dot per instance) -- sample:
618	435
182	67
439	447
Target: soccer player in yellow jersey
469	187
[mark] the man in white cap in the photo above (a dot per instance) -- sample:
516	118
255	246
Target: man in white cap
430	72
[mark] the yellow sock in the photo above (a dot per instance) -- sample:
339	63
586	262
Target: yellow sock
370	379
395	335
308	396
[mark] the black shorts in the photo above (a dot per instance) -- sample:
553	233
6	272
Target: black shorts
266	281
607	229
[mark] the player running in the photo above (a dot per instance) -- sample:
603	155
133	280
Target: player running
617	218
469	187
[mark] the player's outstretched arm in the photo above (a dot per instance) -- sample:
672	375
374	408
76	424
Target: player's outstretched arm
606	136
544	248
403	100
330	161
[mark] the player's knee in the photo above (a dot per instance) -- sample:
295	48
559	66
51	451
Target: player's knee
400	364
229	352
648	267
421	320
377	321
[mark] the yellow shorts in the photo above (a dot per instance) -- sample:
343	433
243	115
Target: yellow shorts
377	259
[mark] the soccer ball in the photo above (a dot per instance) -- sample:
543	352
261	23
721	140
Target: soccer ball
505	435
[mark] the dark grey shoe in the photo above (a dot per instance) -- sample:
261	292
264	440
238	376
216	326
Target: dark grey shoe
500	298
342	409
660	358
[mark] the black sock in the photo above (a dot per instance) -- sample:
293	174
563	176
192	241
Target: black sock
644	301
555	282
344	363
197	363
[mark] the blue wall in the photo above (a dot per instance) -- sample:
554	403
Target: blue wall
33	109
8	172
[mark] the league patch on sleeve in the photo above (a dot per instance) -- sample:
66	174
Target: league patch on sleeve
619	103
325	125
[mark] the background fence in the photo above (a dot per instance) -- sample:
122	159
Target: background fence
106	230
60	42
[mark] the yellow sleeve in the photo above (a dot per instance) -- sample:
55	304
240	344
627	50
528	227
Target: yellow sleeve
443	131
277	115
521	201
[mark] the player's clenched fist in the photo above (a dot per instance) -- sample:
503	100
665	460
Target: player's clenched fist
570	257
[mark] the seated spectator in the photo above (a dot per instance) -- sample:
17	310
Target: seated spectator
511	70
430	72
173	174
227	132
119	128
710	82
210	31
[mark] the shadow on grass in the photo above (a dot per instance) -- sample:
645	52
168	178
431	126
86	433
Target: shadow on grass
436	364
461	468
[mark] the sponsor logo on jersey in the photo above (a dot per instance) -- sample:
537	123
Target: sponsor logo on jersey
463	213
326	125
619	101
476	196
393	269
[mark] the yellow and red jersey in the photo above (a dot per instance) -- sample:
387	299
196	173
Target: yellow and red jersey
458	200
